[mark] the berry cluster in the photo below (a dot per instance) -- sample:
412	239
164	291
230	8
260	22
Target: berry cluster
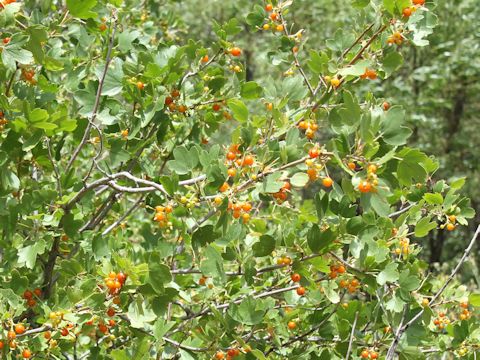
282	194
240	209
115	282
30	296
309	127
161	215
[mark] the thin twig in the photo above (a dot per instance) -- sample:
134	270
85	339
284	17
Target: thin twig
350	342
96	106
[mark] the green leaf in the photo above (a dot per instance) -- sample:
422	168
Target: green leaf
380	204
212	265
317	61
112	84
9	180
185	160
350	111
126	39
203	236
434	199
251	90
272	183
394	133
249	312
411	167
389	274
82	8
239	109
474	299
14	54
424	226
355	70
299	179
28	254
392	62
158	276
318	240
264	247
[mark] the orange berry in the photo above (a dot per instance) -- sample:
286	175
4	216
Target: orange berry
385	106
303	125
452	218
247	207
31	302
343	284
236	214
314	152
235	51
47	335
27	295
11	335
102	27
286	185
140	85
364	186
312	174
205	59
1	345
464	305
296	277
352	166
231	156
64	331
182	108
231	172
224	187
37	292
248	161
407	12
111	312
273	16
245	218
6	40
175	93
279	28
168	100
365	354
419	2
269	106
372	168
341	270
301	291
292	325
335	82
219	355
327	182
26	354
269	7
102	328
216	107
450	227
19	329
373	355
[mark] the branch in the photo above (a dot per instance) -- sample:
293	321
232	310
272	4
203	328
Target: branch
401	211
350	342
108	60
402	329
124	216
359	38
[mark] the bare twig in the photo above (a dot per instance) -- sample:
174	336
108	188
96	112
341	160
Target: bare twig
96	106
352	334
124	216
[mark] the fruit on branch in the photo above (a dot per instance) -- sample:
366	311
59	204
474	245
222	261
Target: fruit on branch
235	51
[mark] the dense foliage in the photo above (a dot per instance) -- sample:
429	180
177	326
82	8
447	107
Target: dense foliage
178	186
